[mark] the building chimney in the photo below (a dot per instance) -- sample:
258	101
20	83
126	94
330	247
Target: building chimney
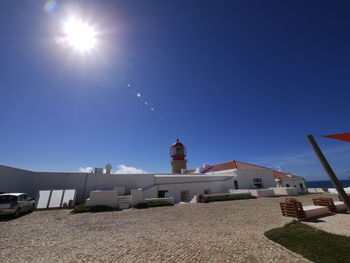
108	168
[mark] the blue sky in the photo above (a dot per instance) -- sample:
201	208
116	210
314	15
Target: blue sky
234	80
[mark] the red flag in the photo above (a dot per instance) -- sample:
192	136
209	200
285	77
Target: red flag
340	136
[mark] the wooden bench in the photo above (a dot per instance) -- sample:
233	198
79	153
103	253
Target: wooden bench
296	210
325	201
333	206
340	206
293	209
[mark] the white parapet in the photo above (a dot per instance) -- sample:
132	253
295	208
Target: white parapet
254	192
285	190
230	193
120	189
262	192
239	191
136	196
103	197
334	191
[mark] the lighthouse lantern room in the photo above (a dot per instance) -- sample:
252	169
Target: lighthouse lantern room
178	154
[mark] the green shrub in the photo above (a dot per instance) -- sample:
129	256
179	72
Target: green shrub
152	204
82	208
100	208
229	198
313	244
141	206
160	203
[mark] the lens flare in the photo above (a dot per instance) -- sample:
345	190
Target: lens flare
79	35
50	6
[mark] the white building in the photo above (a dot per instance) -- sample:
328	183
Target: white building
249	176
179	186
289	180
245	176
209	179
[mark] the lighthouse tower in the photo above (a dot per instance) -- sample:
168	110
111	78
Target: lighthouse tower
178	154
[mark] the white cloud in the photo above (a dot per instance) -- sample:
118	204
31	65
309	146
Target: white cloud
123	169
86	169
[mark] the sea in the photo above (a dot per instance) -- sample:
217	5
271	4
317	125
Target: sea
328	184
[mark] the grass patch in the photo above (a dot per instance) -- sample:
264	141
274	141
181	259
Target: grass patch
152	204
313	244
82	208
229	198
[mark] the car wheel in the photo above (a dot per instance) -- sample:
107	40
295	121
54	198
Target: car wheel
16	214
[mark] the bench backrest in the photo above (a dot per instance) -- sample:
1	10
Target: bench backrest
324	201
292	209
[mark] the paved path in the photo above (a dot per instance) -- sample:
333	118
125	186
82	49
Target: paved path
230	231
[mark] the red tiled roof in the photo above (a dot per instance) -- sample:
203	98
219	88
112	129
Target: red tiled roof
232	165
279	175
240	165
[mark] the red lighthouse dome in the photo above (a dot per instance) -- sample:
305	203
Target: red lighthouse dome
178	151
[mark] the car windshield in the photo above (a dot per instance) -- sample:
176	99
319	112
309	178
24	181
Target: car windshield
7	198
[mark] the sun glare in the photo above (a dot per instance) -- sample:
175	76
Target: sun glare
79	35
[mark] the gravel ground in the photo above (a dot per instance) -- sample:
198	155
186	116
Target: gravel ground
230	231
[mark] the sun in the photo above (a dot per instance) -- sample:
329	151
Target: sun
79	35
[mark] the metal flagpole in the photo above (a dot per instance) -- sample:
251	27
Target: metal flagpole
330	172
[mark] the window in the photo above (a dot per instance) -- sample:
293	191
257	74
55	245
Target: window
207	191
258	182
287	185
184	196
301	186
7	198
162	194
236	184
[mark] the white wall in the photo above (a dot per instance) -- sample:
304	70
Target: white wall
150	183
244	177
294	182
194	184
54	180
86	182
107	197
130	181
16	180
